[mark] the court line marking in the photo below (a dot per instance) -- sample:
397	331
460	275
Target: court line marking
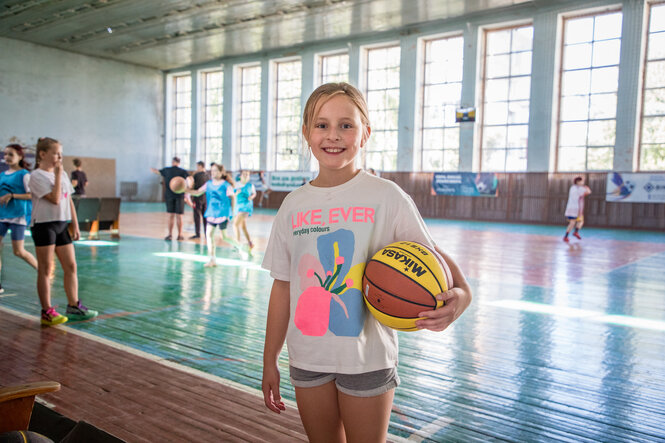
196	372
584	314
204	259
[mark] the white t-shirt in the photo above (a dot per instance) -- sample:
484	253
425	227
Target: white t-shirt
324	234
575	205
26	185
41	183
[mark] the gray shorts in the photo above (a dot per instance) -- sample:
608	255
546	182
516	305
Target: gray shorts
368	384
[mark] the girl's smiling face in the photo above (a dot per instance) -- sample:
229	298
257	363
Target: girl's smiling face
52	157
336	137
12	158
244	177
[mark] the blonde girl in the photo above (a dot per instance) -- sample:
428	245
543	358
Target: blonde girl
342	360
52	213
15	203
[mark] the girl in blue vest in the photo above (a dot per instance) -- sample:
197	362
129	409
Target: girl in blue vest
244	206
220	200
15	204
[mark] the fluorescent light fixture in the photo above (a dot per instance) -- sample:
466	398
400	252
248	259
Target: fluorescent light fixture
204	259
584	314
96	243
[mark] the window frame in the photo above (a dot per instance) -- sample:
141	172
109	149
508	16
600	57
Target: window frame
422	62
482	93
643	66
364	81
559	84
275	117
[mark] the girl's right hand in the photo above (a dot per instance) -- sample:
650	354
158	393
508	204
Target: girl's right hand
270	387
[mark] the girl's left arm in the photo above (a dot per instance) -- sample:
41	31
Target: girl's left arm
75	223
456	300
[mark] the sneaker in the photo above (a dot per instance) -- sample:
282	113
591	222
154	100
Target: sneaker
1	290
168	238
566	239
577	235
50	317
194	237
181	238
80	312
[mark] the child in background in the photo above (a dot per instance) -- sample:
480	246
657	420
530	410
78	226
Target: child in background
52	212
15	205
244	206
575	207
220	201
344	379
79	179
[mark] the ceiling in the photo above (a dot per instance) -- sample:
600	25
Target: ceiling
168	34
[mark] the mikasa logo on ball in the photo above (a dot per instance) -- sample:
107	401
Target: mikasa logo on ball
404	258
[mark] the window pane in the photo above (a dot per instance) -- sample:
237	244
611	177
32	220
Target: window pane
654	101
577	56
573	134
655	74
572	158
575	107
653	157
603	106
600	158
601	132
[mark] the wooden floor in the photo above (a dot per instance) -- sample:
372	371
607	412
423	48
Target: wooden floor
563	342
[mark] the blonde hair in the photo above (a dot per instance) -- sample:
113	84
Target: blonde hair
327	91
44	144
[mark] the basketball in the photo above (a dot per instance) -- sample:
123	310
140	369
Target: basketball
178	185
401	281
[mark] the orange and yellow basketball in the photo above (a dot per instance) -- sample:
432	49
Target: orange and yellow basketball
402	280
178	185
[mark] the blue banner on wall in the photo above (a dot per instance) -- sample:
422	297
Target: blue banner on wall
469	184
633	187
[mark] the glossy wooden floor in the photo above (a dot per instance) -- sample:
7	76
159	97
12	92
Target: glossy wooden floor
563	342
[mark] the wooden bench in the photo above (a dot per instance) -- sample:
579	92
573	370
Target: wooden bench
95	214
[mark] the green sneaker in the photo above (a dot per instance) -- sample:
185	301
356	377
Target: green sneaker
80	312
50	317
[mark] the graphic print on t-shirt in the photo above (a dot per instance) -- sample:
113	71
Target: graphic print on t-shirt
331	297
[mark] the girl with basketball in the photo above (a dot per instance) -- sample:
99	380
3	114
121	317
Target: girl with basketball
220	199
245	206
15	206
52	213
342	360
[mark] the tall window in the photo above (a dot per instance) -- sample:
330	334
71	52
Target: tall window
182	118
652	147
213	100
506	92
442	90
334	68
589	83
382	80
249	134
287	115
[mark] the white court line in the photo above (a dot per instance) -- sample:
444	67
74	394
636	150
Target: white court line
8	294
430	429
218	260
584	314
